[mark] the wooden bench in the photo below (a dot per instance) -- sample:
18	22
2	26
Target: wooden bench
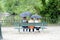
19	25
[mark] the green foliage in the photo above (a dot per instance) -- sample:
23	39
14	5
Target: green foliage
48	9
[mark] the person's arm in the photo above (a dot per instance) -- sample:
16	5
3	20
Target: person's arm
26	21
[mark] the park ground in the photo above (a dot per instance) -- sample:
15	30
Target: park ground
51	33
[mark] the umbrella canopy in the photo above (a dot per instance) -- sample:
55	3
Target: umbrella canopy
36	16
24	14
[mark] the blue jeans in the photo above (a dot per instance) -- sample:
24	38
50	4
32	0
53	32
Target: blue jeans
25	27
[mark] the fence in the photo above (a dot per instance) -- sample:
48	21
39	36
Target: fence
9	20
11	23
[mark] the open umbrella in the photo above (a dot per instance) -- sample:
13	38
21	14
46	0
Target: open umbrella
36	16
24	14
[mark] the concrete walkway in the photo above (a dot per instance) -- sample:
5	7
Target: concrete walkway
51	33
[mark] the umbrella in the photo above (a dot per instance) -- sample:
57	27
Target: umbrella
24	14
36	16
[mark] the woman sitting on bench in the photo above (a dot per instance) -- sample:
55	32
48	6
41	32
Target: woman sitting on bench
37	27
31	27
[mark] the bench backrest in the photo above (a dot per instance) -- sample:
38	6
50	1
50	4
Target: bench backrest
30	24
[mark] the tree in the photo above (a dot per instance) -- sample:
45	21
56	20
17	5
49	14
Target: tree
50	9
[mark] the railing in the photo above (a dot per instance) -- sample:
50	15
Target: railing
8	22
11	22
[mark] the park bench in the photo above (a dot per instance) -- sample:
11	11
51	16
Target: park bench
19	25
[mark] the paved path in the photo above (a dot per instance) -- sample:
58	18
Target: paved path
51	33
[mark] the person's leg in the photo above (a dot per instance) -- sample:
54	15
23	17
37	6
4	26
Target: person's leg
38	29
23	28
33	29
26	28
29	30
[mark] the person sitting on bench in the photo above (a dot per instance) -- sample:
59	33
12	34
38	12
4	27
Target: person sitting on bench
31	27
25	21
37	27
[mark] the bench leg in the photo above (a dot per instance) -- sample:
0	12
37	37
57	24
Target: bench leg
19	29
42	27
23	29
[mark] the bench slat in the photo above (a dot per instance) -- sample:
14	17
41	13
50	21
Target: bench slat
31	24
